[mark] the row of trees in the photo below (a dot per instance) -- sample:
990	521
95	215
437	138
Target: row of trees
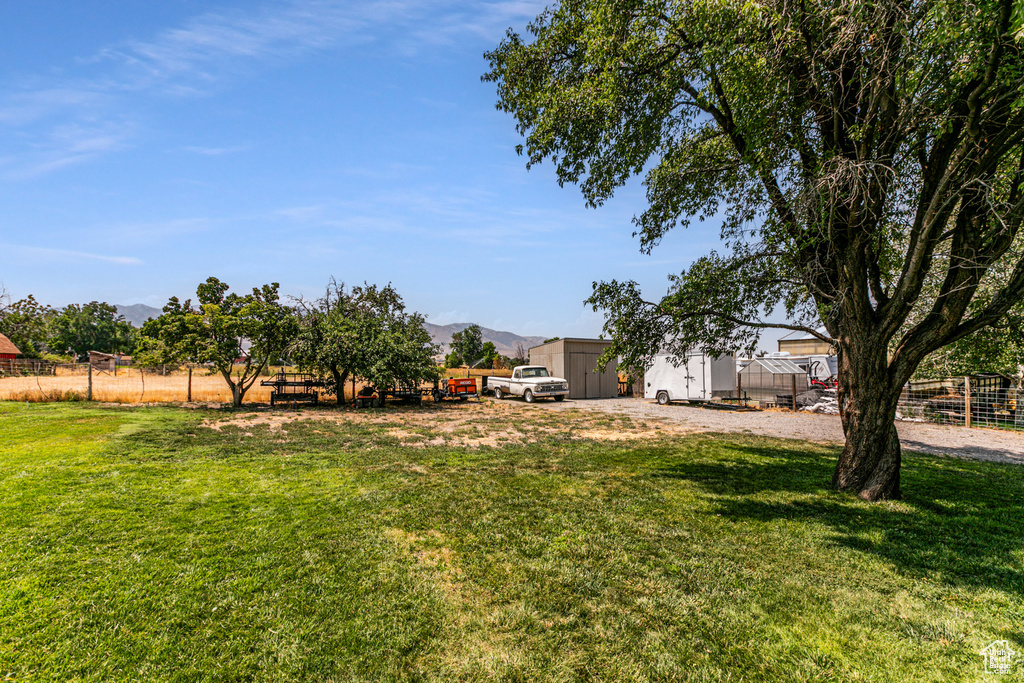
363	331
40	331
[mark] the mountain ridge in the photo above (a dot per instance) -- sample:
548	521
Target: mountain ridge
505	342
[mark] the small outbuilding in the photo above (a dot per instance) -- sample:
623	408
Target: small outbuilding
768	378
576	361
105	362
8	351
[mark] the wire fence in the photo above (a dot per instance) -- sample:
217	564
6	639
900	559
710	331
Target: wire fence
45	383
987	401
79	382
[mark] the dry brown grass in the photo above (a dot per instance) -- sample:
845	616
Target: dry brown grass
128	386
469	424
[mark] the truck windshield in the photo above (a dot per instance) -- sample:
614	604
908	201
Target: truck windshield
535	372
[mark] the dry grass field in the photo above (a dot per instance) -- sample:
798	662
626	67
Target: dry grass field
130	385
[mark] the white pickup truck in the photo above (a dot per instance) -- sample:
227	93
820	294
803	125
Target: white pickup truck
531	382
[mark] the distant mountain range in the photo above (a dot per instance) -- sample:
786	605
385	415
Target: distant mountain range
504	342
137	314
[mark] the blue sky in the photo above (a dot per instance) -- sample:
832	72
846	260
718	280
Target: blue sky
145	146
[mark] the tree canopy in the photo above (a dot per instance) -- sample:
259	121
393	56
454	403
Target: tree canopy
26	323
466	347
854	152
364	331
252	330
95	326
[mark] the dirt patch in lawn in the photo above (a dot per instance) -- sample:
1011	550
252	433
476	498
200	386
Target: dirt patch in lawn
486	423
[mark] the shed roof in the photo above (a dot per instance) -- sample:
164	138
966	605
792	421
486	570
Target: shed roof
800	335
7	346
574	340
777	366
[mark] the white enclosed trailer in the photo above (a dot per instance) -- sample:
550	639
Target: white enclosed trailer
697	378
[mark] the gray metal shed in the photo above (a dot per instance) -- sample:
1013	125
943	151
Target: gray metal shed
576	361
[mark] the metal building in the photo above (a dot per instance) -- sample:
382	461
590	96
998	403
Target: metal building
804	344
576	361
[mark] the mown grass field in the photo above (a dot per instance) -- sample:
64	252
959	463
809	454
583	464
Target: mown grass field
171	544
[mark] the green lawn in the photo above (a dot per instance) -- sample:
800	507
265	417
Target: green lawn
138	544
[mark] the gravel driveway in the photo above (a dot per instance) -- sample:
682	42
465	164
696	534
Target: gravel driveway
959	442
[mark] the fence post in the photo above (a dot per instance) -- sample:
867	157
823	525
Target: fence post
88	393
967	401
793	377
189	383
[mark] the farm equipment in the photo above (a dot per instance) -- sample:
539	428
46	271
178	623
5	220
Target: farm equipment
375	397
461	388
293	387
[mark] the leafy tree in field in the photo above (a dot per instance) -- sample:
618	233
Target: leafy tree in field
363	332
94	326
328	339
26	322
468	344
217	330
488	355
400	349
855	152
454	360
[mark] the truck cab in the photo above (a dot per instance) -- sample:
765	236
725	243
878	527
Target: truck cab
531	382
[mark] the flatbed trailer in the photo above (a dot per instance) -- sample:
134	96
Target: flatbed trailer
294	387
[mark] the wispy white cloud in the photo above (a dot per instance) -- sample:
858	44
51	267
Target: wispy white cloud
196	57
64	145
67	255
216	151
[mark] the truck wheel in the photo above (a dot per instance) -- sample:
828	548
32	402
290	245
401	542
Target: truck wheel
528	396
438	397
560	398
498	394
662	398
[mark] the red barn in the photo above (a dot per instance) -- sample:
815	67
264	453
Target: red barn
8	351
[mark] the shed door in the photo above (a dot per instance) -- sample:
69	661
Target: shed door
577	375
584	381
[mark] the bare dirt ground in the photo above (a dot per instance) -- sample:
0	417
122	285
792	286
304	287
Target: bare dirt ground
488	422
958	442
469	424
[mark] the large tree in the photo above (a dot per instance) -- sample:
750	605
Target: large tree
26	323
364	331
226	330
853	150
95	326
467	345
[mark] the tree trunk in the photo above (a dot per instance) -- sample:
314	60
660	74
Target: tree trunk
339	383
870	462
237	392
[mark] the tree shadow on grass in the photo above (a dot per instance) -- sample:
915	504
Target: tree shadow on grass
959	521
